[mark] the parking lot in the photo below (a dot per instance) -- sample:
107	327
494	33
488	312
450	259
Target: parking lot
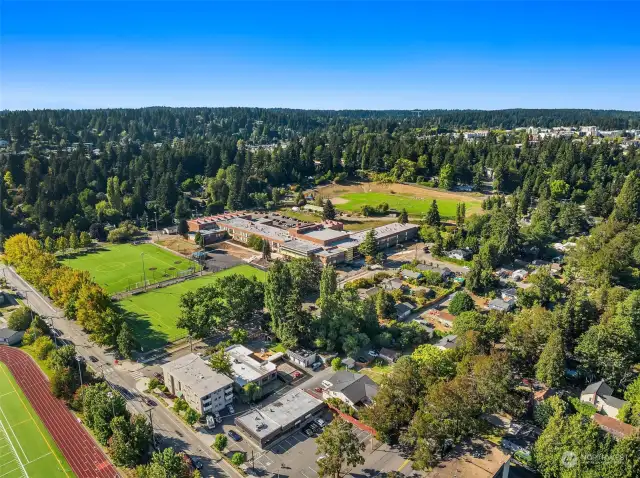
293	456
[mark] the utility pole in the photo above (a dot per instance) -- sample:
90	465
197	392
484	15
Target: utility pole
156	216
79	370
190	342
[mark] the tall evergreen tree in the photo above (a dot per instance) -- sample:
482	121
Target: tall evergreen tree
433	215
328	211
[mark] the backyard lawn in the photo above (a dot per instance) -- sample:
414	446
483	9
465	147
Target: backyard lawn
118	267
153	315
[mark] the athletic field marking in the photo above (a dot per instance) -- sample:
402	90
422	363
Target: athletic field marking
8	393
20	423
41	456
35	423
15	452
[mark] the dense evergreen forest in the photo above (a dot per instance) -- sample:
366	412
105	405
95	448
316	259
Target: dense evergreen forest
65	169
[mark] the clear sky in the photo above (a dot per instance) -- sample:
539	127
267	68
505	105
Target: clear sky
299	54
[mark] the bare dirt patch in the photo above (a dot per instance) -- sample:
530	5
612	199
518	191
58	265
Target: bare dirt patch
179	245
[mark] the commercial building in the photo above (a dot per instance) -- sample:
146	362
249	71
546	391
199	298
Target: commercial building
10	337
248	368
204	389
274	421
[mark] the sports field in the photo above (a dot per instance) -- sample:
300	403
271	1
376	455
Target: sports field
26	448
153	315
416	200
118	267
415	206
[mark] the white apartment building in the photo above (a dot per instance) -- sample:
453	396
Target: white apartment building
205	390
248	368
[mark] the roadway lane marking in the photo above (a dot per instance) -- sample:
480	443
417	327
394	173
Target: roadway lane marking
406	462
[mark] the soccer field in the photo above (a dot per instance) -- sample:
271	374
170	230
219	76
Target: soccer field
118	267
153	315
415	206
26	448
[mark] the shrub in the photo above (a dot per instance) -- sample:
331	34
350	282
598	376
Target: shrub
191	416
336	363
43	347
220	442
237	458
255	242
123	233
20	319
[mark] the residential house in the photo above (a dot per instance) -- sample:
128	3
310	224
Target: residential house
600	395
368	293
409	274
302	357
389	355
445	272
510	294
460	254
10	336
448	342
425	292
613	426
403	310
205	390
352	388
501	305
391	284
519	274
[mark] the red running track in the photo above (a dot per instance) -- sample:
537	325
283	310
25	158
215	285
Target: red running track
83	454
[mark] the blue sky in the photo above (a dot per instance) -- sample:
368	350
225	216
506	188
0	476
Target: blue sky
298	54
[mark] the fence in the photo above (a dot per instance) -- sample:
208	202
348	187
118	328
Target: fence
140	287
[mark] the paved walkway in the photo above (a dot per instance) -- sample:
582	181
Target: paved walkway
84	456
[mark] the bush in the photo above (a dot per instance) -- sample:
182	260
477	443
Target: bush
20	319
125	232
220	441
42	347
237	458
431	278
336	363
154	383
180	405
191	416
461	302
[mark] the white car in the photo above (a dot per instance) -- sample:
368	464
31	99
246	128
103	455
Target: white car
320	422
231	410
373	353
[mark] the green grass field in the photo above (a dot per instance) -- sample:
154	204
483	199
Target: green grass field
119	267
414	206
26	448
153	315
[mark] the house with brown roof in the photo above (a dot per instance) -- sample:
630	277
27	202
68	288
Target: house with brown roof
614	427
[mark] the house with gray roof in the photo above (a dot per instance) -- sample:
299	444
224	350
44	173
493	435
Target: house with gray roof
10	336
394	283
403	310
448	342
501	305
352	388
600	395
409	274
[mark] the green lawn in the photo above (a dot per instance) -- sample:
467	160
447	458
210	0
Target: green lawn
119	267
414	206
26	448
153	315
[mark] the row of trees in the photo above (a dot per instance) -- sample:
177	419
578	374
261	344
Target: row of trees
72	290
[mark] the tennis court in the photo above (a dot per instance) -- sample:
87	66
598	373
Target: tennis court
119	267
26	448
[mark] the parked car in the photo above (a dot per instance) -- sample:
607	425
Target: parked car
231	409
373	353
93	358
196	462
318	389
234	436
316	366
296	374
217	417
321	423
150	402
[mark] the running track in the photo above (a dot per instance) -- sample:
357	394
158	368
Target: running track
84	456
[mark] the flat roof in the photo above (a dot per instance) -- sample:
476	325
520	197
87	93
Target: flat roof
245	367
195	373
301	246
385	231
326	234
279	414
252	227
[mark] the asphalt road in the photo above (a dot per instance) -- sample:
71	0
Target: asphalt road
172	431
